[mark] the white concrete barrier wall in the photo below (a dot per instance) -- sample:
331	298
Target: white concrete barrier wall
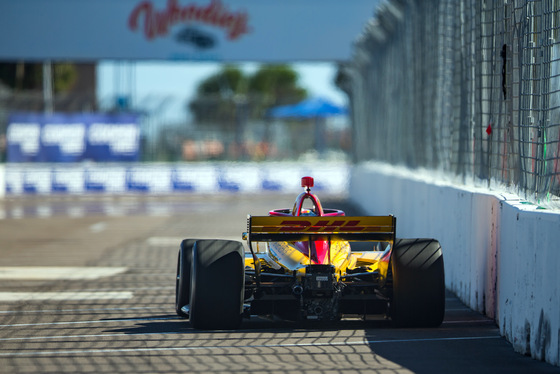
2	181
166	178
502	255
528	282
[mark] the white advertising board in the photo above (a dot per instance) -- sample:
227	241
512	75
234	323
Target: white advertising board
170	178
192	30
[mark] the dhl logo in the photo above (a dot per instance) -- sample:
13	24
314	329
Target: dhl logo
321	226
277	224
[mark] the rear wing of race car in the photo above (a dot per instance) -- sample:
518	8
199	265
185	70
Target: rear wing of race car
337	228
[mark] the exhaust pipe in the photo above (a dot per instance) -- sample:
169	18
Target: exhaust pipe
297	289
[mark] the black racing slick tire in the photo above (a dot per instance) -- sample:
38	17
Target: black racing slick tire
183	284
217	284
418	283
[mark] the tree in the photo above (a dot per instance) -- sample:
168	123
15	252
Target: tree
215	99
64	77
278	83
229	94
29	76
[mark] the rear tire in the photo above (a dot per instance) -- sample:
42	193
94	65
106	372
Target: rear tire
217	284
418	283
183	283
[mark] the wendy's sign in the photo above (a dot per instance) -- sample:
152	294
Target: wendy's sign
229	31
153	22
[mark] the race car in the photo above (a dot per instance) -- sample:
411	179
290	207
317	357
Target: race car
311	263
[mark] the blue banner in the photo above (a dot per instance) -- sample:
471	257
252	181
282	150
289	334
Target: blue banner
73	137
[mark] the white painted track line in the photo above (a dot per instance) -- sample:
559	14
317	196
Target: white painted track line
88	336
58	272
169	241
82	310
164	241
67	295
90	321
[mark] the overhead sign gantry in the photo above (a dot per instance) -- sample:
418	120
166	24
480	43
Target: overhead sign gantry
192	30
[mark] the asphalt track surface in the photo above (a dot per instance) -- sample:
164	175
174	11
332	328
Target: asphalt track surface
87	285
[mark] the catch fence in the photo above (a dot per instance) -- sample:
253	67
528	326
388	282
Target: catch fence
470	89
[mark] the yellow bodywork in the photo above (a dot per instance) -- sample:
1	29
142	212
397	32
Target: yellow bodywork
265	234
285	255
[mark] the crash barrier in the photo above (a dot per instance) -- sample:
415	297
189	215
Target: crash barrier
2	181
501	253
165	178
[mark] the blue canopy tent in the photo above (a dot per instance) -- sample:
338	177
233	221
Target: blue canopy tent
313	108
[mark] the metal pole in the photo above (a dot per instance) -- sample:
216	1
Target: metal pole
47	87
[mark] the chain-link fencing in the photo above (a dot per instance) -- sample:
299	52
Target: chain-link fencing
471	89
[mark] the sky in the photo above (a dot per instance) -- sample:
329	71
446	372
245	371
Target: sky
165	87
